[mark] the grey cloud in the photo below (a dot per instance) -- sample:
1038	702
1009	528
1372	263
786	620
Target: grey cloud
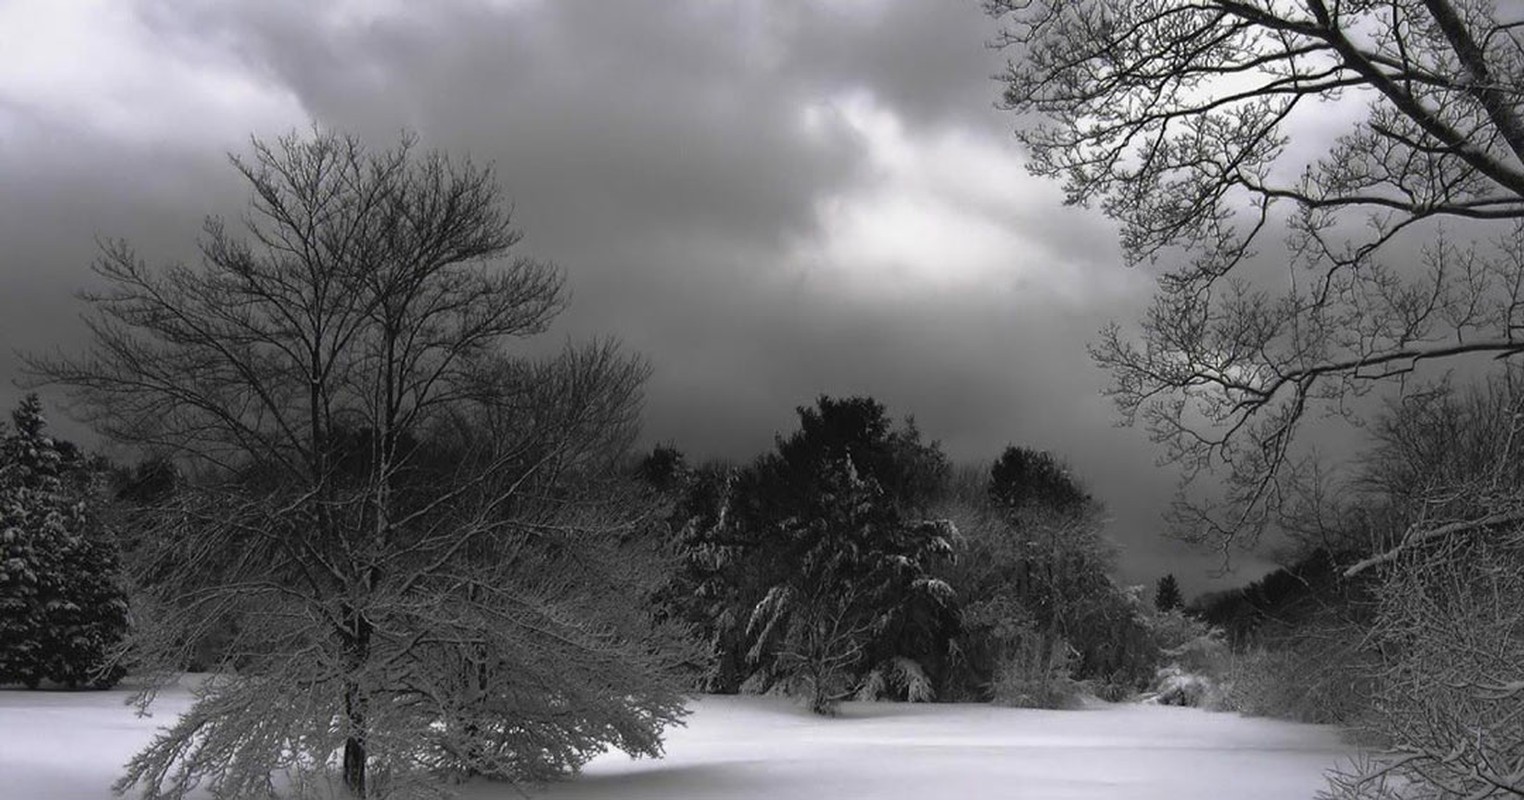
928	60
656	151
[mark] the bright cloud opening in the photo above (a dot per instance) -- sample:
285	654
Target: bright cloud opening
99	66
942	211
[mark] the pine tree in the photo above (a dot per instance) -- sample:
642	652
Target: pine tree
848	604
21	573
711	573
1023	478
62	612
1167	595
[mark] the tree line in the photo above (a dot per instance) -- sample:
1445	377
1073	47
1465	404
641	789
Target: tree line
854	561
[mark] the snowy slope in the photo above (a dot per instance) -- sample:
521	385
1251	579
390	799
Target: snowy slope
69	746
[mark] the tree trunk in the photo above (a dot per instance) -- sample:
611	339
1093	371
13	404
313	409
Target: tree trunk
820	703
357	645
354	745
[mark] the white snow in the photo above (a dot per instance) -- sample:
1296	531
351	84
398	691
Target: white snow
72	745
750	747
64	745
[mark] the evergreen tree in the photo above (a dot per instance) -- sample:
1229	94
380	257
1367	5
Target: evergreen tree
23	575
1167	595
835	518
1022	479
62	612
711	571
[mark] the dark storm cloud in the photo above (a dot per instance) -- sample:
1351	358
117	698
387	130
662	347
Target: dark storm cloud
713	176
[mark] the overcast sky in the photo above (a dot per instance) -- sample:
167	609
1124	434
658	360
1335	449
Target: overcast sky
770	199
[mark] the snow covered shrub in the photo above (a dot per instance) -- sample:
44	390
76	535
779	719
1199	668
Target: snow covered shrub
1301	681
1293	679
898	676
1447	638
1194	656
1174	686
817	643
1039	674
1449	689
1264	683
540	666
1185	640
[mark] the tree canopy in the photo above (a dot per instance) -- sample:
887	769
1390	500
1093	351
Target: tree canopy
414	529
1205	129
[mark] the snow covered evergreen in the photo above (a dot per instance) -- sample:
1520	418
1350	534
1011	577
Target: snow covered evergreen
62	610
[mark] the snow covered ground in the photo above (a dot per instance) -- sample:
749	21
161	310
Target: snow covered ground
69	746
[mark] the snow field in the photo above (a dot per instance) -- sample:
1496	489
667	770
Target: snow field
70	746
737	748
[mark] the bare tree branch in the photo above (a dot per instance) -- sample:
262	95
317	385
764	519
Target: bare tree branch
1189	123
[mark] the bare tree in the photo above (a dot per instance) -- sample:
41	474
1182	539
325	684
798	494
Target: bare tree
1445	464
1203	127
408	526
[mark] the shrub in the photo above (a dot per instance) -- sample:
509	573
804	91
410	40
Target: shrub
1174	686
1448	688
1038	674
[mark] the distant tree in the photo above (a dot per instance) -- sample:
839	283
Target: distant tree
1206	129
1167	594
1037	603
422	538
664	468
848	600
1283	600
712	572
1058	524
146	482
1023	478
989	577
63	611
